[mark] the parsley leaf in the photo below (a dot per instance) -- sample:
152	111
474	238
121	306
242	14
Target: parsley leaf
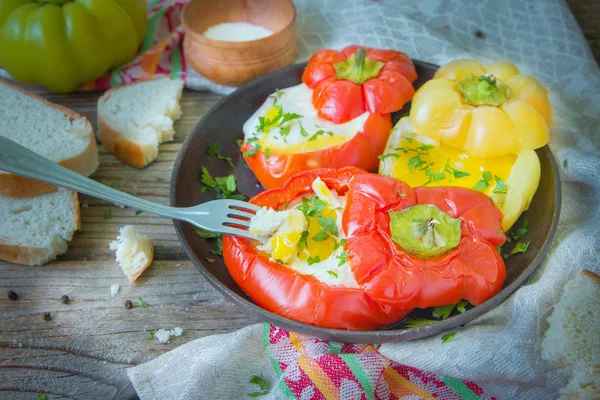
321	236
522	231
328	223
42	396
339	244
312	207
209	260
213	150
284	132
384	156
481	185
457	174
224	186
401	194
460	307
108	214
150	335
205	234
287	117
279	93
219	250
263	386
343	257
302	130
438	176
267	154
313	260
487	176
416	322
302	242
318	133
520	247
141	302
206	179
138	212
443	312
252	151
448	336
332	273
500	185
566	163
415	162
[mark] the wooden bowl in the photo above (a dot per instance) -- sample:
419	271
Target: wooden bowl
223	125
235	63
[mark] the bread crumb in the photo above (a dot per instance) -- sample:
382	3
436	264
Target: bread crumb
134	252
164	335
114	289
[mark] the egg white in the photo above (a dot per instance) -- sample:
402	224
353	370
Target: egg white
298	99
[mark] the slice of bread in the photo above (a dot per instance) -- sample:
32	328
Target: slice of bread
133	120
134	252
50	130
35	230
573	339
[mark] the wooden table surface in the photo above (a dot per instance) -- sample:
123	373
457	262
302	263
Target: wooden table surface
83	351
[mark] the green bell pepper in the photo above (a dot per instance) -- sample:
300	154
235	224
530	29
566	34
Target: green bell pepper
64	43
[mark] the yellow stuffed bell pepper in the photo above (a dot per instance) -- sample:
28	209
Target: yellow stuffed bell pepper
488	112
64	43
509	180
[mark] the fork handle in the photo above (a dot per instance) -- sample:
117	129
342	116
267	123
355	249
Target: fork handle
21	161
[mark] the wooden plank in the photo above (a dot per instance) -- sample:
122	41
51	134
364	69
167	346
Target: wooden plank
83	351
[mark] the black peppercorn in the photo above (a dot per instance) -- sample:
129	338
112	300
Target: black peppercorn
65	299
479	34
12	295
46	316
128	304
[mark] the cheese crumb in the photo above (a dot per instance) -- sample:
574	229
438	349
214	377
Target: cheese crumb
164	335
114	289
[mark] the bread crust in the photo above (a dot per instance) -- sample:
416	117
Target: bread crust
33	256
85	163
591	274
124	149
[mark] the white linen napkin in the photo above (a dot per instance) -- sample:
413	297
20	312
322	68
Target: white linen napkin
500	350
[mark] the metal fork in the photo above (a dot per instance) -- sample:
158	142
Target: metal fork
231	217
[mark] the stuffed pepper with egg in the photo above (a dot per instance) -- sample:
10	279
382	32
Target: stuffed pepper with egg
474	127
347	249
338	116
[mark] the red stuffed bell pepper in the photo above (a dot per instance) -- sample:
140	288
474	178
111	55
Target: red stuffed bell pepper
344	121
280	289
424	247
397	248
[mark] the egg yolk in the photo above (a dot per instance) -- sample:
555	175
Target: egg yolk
418	164
307	235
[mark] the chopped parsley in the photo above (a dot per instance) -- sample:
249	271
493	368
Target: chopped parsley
313	260
303	131
209	260
332	273
415	162
448	336
401	194
339	244
328	223
451	170
42	396
141	302
224	186
302	242
213	150
138	212
500	232
267	154
312	207
417	322
565	163
486	178
522	231
520	247
279	93
387	155
443	312
205	234
318	133
343	257
239	142
321	236
219	250
108	214
500	185
262	384
284	132
150	335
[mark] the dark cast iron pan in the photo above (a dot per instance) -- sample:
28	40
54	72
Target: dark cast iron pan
223	125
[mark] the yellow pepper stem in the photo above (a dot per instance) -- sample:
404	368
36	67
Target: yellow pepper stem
484	90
